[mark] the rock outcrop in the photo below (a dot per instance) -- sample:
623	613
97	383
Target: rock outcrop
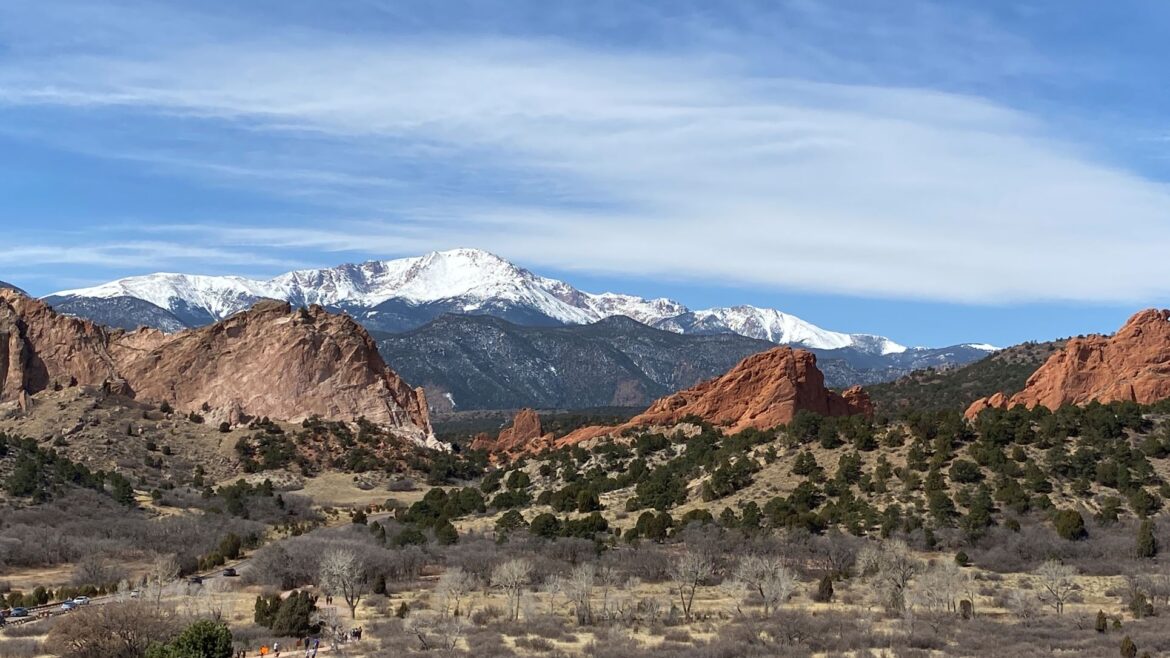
762	391
40	349
1132	365
275	361
278	362
8	286
524	435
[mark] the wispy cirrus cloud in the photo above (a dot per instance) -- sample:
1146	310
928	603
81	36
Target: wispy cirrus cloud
686	161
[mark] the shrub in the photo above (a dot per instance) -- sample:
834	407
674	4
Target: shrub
446	534
204	638
288	617
1070	525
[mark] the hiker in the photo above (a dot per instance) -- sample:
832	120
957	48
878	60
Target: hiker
276	648
263	649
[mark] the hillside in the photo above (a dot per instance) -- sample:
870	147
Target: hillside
480	362
470	362
955	388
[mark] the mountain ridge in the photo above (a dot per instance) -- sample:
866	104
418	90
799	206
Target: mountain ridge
271	361
473	362
403	294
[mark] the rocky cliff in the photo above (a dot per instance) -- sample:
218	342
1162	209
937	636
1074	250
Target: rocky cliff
40	349
762	391
1132	365
524	435
269	361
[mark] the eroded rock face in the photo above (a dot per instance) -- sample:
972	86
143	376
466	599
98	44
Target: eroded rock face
1132	365
40	349
278	362
525	435
270	361
996	401
762	391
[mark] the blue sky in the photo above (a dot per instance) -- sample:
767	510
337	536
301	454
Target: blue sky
934	172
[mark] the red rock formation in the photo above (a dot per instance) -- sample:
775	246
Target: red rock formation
762	391
270	361
40	349
525	435
1132	365
997	401
274	361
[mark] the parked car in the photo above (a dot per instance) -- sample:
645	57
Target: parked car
81	600
230	572
134	593
18	612
196	580
68	605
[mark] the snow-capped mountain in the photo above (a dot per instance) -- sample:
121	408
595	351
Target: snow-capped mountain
775	326
411	291
403	294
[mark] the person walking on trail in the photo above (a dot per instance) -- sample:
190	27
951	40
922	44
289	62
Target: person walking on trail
264	650
276	649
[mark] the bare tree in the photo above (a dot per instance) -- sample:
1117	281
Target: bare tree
579	589
96	570
1058	582
938	589
112	630
835	553
345	572
162	572
437	631
1023	604
609	578
767	577
512	577
454	584
553	586
688	572
891	565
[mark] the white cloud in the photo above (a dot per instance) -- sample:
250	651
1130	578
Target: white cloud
673	164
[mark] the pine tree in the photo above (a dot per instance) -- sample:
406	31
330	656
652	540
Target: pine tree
824	590
1147	543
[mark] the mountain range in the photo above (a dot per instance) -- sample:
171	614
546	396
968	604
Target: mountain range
404	294
479	332
480	362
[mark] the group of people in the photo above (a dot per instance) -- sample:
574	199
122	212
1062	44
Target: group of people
310	644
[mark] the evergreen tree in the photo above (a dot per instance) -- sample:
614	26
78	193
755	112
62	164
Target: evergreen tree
824	590
202	639
1147	543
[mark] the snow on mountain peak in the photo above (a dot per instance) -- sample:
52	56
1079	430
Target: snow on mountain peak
982	346
473	280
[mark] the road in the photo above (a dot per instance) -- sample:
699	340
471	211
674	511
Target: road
38	613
